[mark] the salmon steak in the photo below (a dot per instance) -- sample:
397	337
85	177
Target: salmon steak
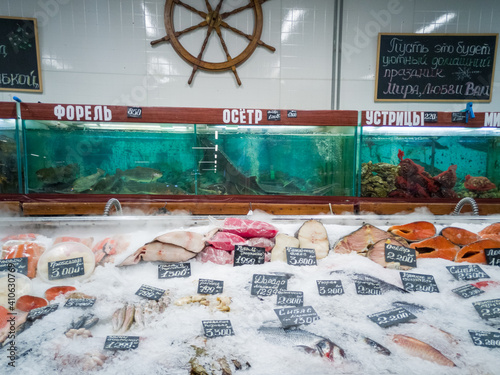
361	240
436	247
474	253
416	231
460	236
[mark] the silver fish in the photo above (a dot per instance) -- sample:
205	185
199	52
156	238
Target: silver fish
118	318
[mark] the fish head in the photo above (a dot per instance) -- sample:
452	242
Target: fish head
328	349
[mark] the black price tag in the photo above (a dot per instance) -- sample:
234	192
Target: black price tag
430	117
174	270
207	286
121	342
330	287
467	291
371	288
458	116
289	298
392	317
248	255
485	338
493	256
291	113
273	115
150	292
405	256
217	328
488	309
267	285
80	302
298	256
42	311
63	269
294	316
134	112
467	272
19	265
414	282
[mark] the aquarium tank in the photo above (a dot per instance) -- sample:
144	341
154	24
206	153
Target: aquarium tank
9	157
188	159
429	162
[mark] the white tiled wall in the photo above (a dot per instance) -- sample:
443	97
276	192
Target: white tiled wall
364	19
99	52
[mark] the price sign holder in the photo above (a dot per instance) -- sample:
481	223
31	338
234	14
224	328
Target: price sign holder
19	265
367	288
467	291
207	286
289	298
485	338
121	342
42	311
217	328
467	272
248	255
150	292
392	317
80	302
298	256
488	309
330	287
295	316
492	256
268	285
415	282
174	270
405	256
63	269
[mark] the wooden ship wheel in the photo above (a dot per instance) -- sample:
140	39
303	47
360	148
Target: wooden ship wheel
213	19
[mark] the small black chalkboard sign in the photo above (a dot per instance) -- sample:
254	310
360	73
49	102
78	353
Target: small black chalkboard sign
392	317
174	270
430	117
20	67
295	316
467	272
467	291
42	311
64	269
150	292
217	328
207	286
273	115
435	67
488	309
330	287
121	342
244	255
267	285
489	339
458	116
370	288
134	112
289	298
493	256
414	282
298	256
405	256
80	302
19	265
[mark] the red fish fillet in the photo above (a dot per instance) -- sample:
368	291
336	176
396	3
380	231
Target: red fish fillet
422	350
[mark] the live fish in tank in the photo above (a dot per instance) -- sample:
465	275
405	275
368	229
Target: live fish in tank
84	183
58	175
139	174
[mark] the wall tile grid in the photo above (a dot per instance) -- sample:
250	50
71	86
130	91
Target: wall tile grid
364	19
99	52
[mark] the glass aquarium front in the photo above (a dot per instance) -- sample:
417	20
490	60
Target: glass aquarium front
430	162
188	159
9	157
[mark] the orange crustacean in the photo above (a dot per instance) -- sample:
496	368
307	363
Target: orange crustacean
416	231
436	247
24	249
474	253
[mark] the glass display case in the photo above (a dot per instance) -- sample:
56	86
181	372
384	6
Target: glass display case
188	151
9	150
442	159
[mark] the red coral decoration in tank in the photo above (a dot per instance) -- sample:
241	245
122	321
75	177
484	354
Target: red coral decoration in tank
414	182
478	183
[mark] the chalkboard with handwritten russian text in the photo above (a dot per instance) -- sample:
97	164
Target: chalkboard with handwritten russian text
435	67
20	68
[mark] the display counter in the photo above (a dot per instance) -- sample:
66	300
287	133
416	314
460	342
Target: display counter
253	294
